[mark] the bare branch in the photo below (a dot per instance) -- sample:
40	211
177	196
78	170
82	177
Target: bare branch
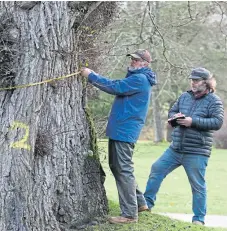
142	24
27	5
91	9
189	11
162	38
222	17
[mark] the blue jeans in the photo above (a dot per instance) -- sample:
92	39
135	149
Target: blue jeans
195	168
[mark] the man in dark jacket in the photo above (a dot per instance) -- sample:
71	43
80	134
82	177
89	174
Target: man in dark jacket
125	122
192	140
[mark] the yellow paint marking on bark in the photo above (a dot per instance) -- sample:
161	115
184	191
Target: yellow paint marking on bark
38	83
21	143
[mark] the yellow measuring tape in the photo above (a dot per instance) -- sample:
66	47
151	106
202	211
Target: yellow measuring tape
38	83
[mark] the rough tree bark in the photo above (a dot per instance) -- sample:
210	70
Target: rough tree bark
49	169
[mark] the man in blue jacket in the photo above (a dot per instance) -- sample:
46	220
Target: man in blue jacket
125	122
192	140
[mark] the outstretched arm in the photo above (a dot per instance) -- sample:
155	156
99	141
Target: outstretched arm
127	86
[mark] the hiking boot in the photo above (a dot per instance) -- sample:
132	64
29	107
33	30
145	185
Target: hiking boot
143	208
122	220
197	223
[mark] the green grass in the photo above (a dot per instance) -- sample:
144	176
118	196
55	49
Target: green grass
148	222
175	193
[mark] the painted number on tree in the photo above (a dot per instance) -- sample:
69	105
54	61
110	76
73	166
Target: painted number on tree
21	143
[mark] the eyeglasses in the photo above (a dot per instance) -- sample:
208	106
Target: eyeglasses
135	59
196	80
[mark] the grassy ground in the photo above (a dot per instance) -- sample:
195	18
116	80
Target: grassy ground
175	192
149	222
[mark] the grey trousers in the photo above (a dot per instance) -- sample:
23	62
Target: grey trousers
121	165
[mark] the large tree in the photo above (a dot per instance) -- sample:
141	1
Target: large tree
49	167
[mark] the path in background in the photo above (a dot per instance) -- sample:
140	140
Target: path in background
210	220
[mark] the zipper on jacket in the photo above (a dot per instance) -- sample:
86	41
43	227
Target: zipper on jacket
183	132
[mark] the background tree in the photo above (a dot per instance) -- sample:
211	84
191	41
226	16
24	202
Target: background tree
49	168
180	36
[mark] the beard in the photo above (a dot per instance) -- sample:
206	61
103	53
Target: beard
131	68
199	89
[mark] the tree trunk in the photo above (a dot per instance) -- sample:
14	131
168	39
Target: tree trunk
157	118
49	171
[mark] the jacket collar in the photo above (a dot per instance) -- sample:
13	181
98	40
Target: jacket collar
199	95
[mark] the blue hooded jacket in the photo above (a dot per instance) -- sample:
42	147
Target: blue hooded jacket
131	103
